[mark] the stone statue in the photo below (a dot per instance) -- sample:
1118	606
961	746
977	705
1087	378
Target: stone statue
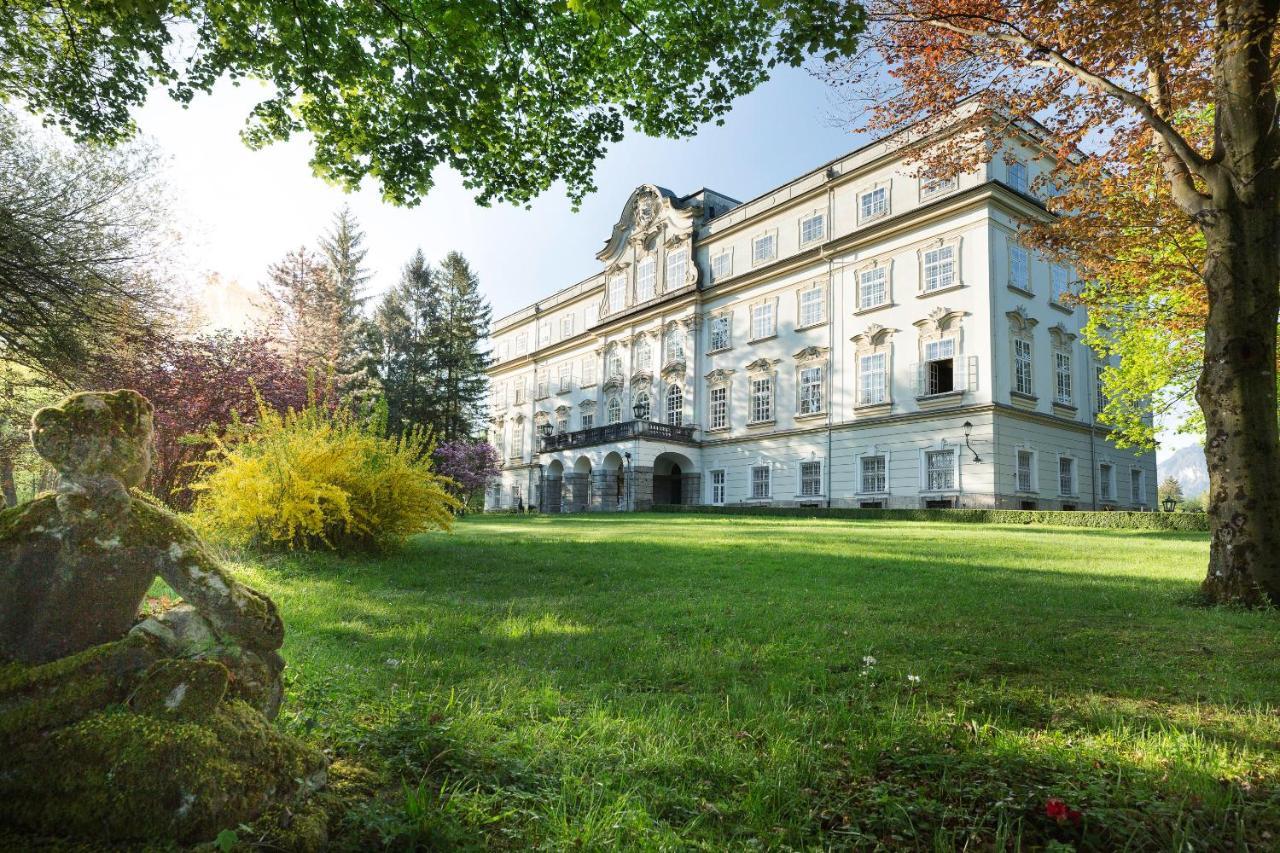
75	566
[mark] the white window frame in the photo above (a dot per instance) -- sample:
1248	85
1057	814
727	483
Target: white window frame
1074	469
718	410
863	488
810	486
757	256
879	210
565	377
566	326
881	271
727	319
675	414
717	482
768	391
767	480
617	292
926	483
1024	366
1018	175
588	372
1107	483
1140	499
1031	485
522	343
951	264
819	290
931	188
820	232
811	392
1019	266
723	257
672	346
1063	377
645	401
544	333
772	325
1060	284
586	420
946	343
647	274
676	267
864	397
613	403
642	355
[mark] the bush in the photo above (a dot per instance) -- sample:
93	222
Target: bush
1107	520
320	477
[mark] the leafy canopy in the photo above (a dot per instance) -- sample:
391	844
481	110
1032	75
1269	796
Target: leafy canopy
512	94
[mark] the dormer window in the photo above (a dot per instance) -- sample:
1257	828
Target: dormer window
646	278
873	204
677	268
617	292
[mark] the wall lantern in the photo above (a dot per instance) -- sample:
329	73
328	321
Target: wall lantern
545	429
1169	503
638	411
968	428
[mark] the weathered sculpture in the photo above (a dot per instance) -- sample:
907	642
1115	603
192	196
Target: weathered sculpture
94	701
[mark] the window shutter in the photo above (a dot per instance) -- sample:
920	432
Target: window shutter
973	373
918	370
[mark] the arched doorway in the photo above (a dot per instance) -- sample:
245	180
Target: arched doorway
579	487
553	488
672	476
613	488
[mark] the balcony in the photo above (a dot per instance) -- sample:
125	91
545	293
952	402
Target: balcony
652	430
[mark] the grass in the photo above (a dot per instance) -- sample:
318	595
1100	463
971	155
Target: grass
663	682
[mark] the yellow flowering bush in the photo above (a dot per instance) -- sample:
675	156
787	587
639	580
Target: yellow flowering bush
320	478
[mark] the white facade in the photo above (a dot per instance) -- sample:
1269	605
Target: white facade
828	343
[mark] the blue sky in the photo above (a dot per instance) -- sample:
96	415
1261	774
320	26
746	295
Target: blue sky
243	209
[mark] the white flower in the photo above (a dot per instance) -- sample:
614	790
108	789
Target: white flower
869	661
393	663
914	679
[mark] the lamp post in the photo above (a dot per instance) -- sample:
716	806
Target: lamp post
1169	503
968	428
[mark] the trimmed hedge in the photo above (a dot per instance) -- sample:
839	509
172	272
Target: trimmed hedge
1193	521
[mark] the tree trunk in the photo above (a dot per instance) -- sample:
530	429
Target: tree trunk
7	486
1237	387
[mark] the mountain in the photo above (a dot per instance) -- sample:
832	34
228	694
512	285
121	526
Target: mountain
1189	467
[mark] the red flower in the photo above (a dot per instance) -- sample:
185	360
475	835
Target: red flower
1060	811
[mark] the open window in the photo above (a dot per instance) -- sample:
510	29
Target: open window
940	366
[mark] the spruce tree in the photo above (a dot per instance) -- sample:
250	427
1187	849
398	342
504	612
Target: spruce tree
340	307
405	325
460	357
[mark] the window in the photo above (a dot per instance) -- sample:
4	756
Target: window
1018	176
541	381
522	343
677	268
762	321
544	333
613	413
1061	283
719	407
1136	490
675	405
810	479
646	277
940	372
762	399
642	406
522	389
1066	475
566	326
566	377
939	268
1022	367
764	248
675	349
517	440
587	420
1062	377
873	204
644	355
589	371
873	385
873	288
874	475
617	292
811	391
717	487
720	332
1026	471
813	306
760	482
1019	267
1106	482
940	468
615	363
562	423
934	187
813	228
722	265
1100	396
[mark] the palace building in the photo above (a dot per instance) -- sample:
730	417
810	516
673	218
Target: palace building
860	336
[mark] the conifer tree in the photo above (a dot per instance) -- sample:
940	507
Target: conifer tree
339	308
404	327
461	359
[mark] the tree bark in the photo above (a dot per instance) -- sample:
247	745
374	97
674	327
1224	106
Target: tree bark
1237	387
7	486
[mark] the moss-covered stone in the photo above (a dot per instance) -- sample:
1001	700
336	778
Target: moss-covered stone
189	690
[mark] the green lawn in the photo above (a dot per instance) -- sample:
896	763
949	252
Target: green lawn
661	681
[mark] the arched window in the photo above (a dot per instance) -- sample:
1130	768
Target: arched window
613	412
675	405
642	406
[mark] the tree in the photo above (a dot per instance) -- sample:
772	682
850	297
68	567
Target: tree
22	391
1124	81
403	356
1170	488
470	465
82	246
199	387
461	360
512	94
339	306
